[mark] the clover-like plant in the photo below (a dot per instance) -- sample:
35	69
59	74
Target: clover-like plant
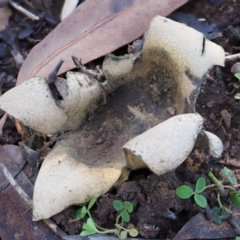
237	75
186	192
90	227
220	213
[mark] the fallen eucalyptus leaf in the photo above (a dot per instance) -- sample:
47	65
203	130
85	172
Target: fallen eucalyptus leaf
199	227
94	29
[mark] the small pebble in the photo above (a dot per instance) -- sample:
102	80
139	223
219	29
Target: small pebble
226	146
212	116
215	3
171	110
238	136
226	118
99	140
235	68
3	50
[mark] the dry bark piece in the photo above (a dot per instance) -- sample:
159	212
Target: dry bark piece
103	31
5	13
199	227
226	118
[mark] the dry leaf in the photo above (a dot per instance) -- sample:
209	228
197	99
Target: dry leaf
199	227
94	29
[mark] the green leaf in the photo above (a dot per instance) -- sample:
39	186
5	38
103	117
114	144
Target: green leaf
200	200
220	213
225	214
128	206
226	171
133	232
86	233
92	202
125	216
229	174
237	238
184	192
118	205
217	220
237	75
81	213
90	226
123	235
235	198
237	96
200	185
216	211
232	180
87	227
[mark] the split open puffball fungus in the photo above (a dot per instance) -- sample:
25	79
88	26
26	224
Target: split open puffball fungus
172	64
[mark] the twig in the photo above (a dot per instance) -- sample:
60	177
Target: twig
24	11
97	75
52	225
14	174
15	185
235	225
29	202
232	58
53	75
52	140
2	122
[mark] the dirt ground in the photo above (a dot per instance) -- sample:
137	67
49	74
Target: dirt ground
158	212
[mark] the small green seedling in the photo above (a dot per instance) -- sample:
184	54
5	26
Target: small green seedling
237	75
220	213
229	174
90	227
186	192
